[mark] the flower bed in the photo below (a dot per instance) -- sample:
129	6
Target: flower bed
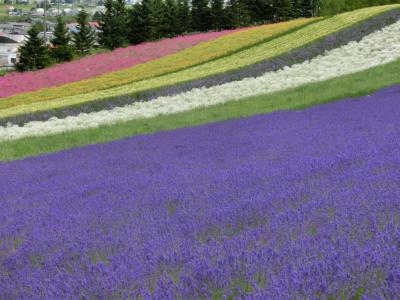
342	37
375	49
273	206
99	64
53	98
229	41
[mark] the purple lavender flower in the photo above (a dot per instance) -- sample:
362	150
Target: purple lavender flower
289	205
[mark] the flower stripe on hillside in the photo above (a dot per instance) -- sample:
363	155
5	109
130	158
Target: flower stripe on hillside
59	97
375	49
95	65
335	40
191	56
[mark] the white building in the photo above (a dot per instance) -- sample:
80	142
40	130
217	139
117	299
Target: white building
8	51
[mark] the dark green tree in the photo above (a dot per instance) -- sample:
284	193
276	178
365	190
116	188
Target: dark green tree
237	14
308	8
283	10
155	19
113	25
96	16
257	11
39	26
184	16
297	9
33	54
171	18
218	17
147	21
137	24
85	37
201	15
62	50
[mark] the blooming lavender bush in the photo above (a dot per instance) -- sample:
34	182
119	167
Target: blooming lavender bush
282	206
335	40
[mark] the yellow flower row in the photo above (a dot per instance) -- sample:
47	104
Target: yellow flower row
270	49
189	57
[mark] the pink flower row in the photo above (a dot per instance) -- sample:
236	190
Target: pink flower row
15	83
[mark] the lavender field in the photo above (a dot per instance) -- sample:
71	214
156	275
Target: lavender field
290	205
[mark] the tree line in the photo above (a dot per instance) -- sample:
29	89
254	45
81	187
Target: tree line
35	54
154	19
149	20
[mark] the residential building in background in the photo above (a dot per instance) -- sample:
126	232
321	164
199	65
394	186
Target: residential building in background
8	51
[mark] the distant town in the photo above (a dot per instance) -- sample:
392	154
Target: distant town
17	17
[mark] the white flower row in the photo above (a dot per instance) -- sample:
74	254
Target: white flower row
378	48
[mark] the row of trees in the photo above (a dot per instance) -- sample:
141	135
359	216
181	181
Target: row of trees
153	19
34	54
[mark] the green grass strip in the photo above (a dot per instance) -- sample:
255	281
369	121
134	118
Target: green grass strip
357	84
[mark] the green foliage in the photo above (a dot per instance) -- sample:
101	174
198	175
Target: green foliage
84	38
113	25
5	72
184	16
96	16
137	24
237	14
171	18
152	20
283	10
33	54
358	294
218	16
331	7
155	19
201	15
62	50
39	25
260	11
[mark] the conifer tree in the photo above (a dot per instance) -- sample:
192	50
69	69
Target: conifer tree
236	14
137	24
283	10
113	25
217	14
85	37
201	15
257	10
184	16
96	17
147	21
171	18
155	18
33	54
310	8
62	50
298	8
266	11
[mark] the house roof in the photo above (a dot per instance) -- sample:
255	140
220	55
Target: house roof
6	40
